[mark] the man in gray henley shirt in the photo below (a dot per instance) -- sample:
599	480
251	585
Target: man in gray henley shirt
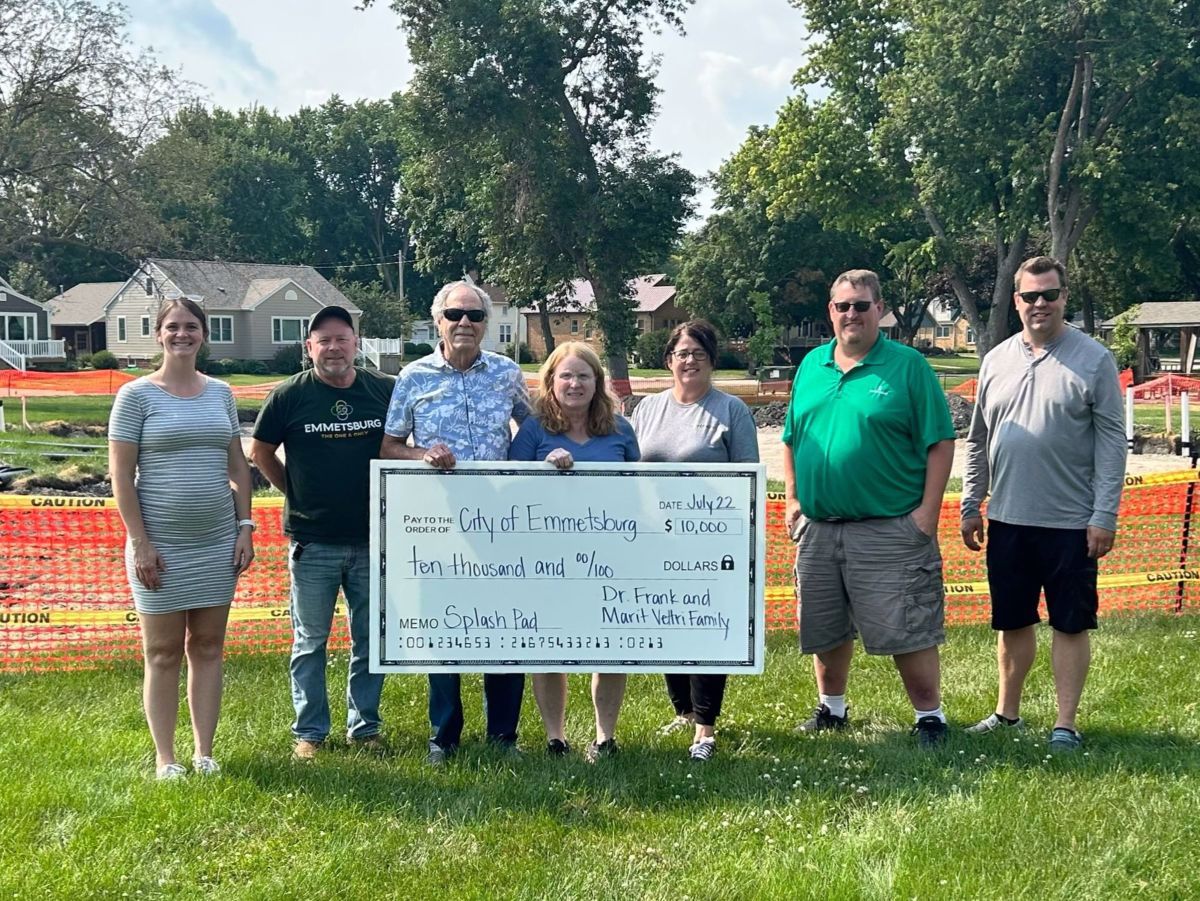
1048	434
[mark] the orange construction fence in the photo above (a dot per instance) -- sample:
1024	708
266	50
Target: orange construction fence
65	604
93	381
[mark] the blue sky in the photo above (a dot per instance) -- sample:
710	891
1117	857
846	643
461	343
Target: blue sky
731	71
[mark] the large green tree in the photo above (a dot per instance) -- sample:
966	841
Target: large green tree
76	104
1016	122
529	122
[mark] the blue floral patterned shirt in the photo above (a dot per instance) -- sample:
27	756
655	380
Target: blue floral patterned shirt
468	411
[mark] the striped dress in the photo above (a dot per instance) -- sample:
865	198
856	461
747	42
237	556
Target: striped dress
183	488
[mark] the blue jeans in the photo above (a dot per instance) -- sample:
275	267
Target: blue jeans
502	694
318	571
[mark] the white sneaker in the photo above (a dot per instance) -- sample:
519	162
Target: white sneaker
170	771
205	766
703	749
992	722
677	725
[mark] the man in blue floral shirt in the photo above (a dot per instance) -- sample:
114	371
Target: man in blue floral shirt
457	404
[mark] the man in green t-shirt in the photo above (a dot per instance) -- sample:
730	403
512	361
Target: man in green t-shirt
329	420
871	444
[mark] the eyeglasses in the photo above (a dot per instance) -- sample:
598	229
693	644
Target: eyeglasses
1031	297
860	306
698	355
455	314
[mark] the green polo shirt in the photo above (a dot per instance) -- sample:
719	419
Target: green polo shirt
860	439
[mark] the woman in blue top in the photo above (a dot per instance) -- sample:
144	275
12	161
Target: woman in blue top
575	419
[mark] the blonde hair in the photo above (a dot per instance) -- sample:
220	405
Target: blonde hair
602	417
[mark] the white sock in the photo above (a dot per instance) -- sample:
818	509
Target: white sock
835	703
936	711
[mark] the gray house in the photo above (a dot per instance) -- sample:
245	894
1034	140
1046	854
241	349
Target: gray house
254	309
25	331
77	315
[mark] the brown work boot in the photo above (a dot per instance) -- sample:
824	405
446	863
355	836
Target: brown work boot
370	744
306	750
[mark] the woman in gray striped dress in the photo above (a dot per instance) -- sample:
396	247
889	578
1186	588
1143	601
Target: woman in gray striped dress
182	486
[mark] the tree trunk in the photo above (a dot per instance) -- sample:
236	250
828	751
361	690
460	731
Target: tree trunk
544	322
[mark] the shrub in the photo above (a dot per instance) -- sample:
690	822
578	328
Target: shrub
231	367
84	361
215	367
410	349
731	359
105	359
254	367
522	353
651	348
288	360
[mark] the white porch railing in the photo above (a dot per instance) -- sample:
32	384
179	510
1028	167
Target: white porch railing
375	348
12	356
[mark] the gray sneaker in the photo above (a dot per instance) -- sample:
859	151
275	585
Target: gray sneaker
1064	740
992	722
437	755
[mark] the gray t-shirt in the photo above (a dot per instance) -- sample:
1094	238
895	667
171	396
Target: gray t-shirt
1049	434
718	428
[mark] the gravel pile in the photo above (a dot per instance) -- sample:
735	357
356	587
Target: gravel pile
770	415
960	413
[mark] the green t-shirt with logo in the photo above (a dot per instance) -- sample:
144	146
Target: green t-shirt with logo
860	439
329	436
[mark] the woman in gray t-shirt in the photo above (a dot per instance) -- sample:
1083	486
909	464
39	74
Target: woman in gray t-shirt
694	422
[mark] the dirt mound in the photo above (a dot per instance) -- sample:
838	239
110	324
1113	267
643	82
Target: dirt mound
960	413
60	428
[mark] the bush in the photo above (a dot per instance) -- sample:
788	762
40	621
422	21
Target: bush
84	361
231	367
523	353
288	360
105	359
254	367
731	359
215	367
651	348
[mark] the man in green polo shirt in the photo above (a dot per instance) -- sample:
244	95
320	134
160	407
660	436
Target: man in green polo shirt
871	445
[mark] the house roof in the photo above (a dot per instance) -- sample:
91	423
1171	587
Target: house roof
888	320
1165	314
242	286
83	304
648	290
9	290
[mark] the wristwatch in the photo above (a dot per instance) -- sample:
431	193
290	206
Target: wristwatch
247	522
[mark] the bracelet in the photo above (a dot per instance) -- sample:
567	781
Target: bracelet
247	522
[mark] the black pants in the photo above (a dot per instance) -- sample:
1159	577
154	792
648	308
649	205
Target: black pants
700	695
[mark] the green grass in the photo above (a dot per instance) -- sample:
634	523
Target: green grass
966	364
842	816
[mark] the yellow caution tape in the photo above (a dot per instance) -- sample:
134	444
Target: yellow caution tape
16	619
53	502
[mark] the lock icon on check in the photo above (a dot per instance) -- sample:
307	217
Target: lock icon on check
726	564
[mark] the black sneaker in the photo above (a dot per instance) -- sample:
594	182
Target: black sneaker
930	732
823	720
598	750
556	747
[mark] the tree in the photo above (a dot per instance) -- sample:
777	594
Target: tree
1016	121
76	103
531	118
27	280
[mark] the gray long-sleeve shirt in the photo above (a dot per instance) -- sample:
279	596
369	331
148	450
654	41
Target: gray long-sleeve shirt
1049	434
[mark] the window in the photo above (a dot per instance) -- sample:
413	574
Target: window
18	328
121	328
286	330
641	325
220	329
506	334
970	336
290	294
574	326
943	331
145	326
149	286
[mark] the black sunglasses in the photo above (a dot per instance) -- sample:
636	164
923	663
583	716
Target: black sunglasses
455	314
1030	297
860	306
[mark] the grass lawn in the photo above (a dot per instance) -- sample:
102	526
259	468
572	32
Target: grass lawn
963	364
861	814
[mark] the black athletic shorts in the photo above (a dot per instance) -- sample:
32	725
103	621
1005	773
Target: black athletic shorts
1022	560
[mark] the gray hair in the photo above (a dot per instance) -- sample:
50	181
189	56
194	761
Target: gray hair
859	278
439	300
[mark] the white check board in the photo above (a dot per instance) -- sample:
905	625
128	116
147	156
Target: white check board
608	567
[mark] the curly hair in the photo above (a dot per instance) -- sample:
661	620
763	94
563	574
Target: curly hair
602	415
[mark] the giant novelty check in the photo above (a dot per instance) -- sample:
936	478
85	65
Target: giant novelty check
608	567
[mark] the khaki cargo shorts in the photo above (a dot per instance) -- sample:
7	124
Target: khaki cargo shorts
880	579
